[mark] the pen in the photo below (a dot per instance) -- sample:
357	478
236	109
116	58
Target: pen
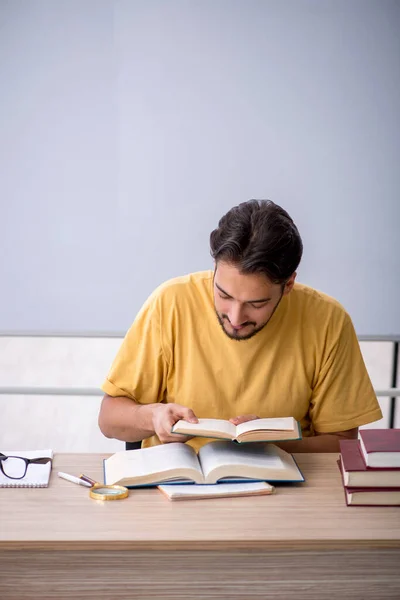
86	478
74	479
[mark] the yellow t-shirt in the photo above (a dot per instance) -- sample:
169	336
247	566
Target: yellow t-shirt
305	363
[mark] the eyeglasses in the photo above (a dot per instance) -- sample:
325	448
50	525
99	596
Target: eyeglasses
15	467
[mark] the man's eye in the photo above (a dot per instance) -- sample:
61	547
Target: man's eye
259	305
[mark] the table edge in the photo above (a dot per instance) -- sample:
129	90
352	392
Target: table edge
193	545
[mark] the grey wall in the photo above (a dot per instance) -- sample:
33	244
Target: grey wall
127	128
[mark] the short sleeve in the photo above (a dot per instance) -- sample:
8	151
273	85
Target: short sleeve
343	396
140	368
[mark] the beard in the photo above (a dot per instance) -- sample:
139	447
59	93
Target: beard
237	336
256	328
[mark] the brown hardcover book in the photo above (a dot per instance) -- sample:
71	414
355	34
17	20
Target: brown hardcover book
357	474
370	496
380	447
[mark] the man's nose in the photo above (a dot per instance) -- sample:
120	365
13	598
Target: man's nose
236	315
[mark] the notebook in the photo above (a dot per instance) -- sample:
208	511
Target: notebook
217	490
36	475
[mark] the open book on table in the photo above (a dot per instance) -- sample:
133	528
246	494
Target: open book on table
216	461
258	430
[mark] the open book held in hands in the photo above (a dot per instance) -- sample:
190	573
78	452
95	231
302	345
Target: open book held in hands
257	430
217	461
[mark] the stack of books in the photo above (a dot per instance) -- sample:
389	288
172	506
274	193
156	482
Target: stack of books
370	468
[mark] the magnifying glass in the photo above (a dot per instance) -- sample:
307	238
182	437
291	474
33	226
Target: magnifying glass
108	492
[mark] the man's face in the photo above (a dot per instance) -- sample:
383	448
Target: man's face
245	303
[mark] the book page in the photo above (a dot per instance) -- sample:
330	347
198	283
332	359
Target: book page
221	460
217	455
207	428
278	424
152	464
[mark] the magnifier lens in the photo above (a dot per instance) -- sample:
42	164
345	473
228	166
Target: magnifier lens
108	492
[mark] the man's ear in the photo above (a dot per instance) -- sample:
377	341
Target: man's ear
289	284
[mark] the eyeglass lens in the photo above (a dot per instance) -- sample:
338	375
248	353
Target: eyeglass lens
14	467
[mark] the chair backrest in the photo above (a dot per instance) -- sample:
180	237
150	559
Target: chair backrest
133	445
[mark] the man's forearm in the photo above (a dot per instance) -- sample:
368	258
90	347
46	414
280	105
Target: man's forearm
123	419
326	442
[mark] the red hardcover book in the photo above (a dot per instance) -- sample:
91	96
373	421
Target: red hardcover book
380	447
357	474
370	496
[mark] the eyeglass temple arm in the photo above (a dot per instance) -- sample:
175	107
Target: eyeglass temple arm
39	461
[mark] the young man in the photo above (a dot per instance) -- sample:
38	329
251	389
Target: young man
242	342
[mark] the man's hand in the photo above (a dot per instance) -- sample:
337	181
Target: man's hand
243	419
165	416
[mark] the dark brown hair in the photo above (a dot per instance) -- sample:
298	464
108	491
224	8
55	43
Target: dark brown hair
258	236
